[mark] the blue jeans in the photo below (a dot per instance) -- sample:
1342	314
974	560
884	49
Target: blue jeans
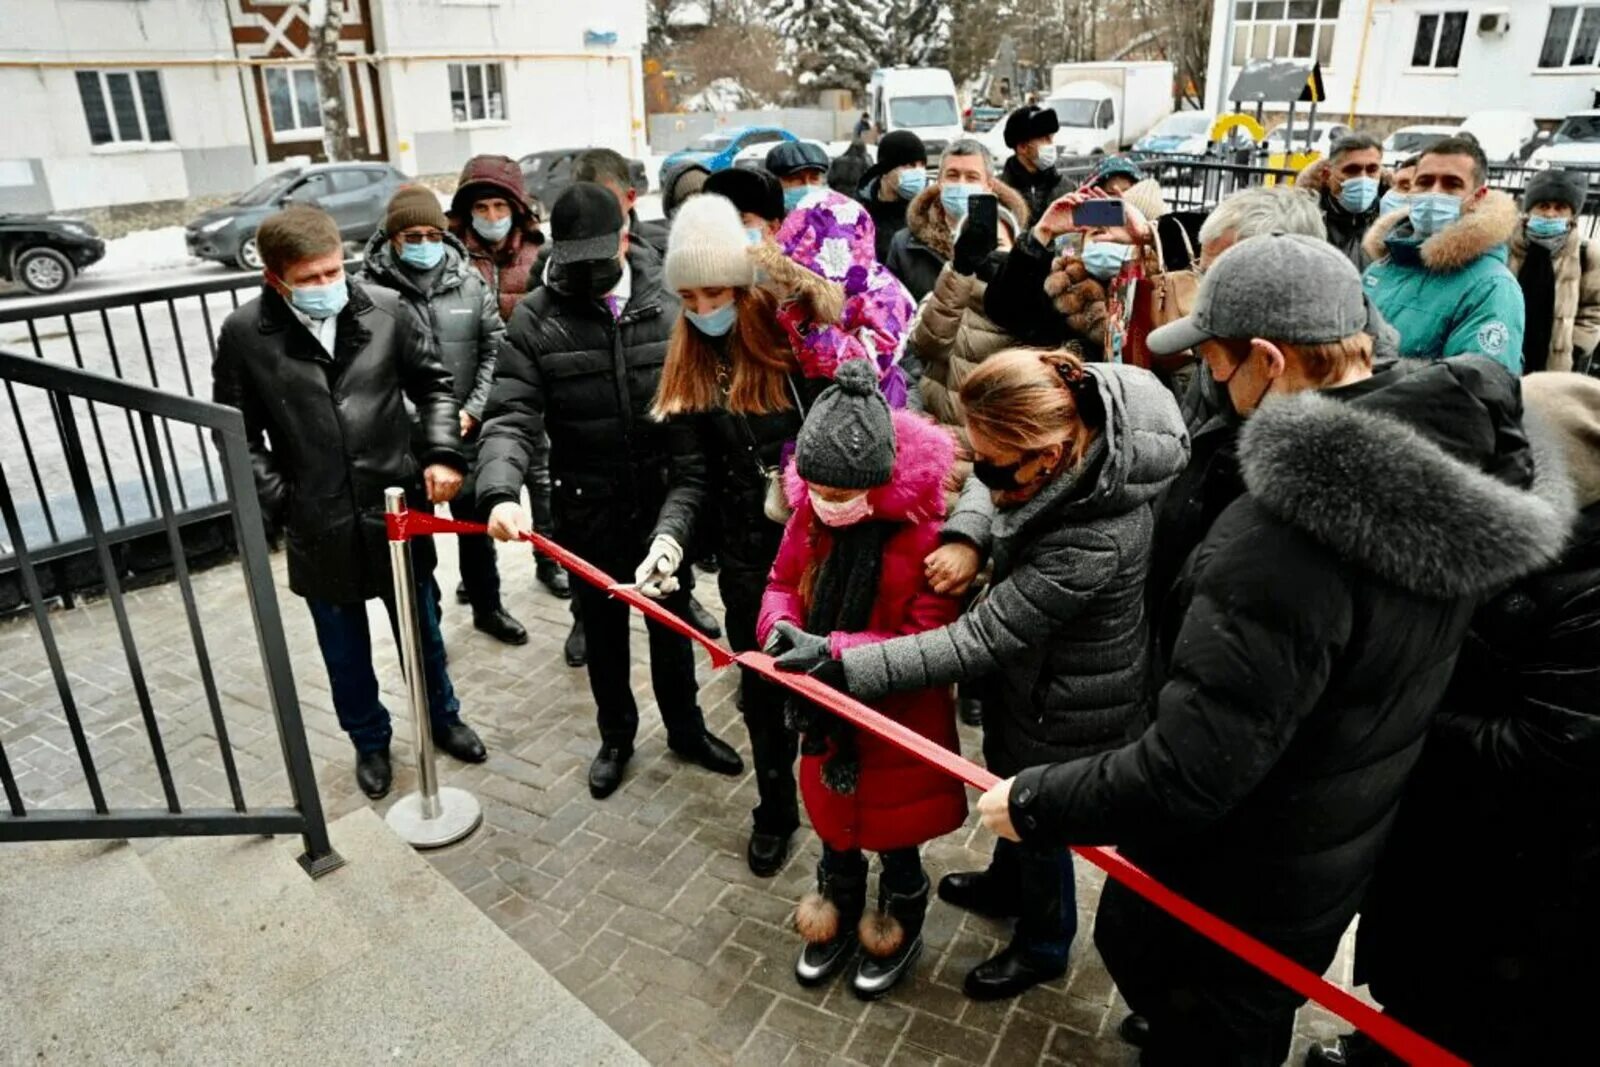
1047	898
346	643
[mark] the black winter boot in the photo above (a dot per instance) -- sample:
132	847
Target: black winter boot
552	577
891	940
827	919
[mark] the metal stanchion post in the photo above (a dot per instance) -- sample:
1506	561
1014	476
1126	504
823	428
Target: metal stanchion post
431	817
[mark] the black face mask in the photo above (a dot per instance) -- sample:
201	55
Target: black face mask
590	277
1001	477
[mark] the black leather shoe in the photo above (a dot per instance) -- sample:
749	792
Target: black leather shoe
1008	975
712	753
971	711
461	593
501	626
374	773
975	891
605	773
462	742
576	648
1135	1030
767	853
703	620
552	577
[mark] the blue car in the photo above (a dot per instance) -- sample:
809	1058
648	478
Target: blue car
717	149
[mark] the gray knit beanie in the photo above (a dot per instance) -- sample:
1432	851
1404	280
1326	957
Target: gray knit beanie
1557	187
847	441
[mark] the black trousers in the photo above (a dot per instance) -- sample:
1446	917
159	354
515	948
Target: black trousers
606	633
773	746
479	571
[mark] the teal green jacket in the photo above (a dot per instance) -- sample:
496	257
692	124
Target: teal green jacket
1452	294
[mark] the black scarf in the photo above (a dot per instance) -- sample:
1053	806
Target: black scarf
1538	281
842	600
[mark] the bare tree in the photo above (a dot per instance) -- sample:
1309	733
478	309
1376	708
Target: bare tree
330	81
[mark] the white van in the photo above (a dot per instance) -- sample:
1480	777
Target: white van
919	99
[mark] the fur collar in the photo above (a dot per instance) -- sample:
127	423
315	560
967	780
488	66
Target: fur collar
1476	233
923	457
1386	498
928	223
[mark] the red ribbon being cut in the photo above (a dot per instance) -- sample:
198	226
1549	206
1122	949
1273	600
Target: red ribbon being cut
1400	1040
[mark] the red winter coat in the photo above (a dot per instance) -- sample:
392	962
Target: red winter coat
509	271
899	802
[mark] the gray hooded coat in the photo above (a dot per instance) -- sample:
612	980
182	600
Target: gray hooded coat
459	311
1062	633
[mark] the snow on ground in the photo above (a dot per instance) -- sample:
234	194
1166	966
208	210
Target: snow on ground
145	250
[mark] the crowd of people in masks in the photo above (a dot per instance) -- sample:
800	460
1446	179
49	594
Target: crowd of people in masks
1286	583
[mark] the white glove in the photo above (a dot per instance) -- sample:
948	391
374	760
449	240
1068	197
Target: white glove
657	575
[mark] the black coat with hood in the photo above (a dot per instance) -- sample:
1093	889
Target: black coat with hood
1321	623
328	434
587	380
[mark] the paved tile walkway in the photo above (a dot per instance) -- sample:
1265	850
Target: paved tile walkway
641	905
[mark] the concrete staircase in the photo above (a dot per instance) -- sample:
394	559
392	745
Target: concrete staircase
222	951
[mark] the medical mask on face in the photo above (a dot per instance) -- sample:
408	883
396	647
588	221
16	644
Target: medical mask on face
792	197
714	323
754	235
1356	195
493	232
847	513
1045	156
424	256
320	301
1540	226
1392	202
1432	212
954	198
1104	259
912	181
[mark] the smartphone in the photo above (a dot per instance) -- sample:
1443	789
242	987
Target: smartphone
983	211
1098	213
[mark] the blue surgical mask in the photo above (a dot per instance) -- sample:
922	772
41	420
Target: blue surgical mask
714	323
493	232
1356	195
1432	212
1392	202
320	301
912	181
1104	259
1540	226
953	195
755	234
792	197
423	256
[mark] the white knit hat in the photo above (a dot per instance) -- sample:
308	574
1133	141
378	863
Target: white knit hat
1146	196
707	247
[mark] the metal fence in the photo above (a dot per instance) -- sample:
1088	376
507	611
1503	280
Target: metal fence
52	404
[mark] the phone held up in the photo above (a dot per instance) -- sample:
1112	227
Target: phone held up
1098	213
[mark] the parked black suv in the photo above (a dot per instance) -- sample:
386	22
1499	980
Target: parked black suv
546	175
355	194
45	252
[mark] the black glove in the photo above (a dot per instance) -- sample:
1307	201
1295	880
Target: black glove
800	652
830	672
973	248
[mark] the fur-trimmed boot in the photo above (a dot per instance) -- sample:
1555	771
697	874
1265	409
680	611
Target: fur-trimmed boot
827	919
891	940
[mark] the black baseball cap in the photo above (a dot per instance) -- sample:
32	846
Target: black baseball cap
585	224
792	157
753	191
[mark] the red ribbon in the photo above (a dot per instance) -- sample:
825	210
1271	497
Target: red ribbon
1400	1040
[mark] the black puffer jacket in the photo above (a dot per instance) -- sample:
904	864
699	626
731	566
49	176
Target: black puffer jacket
734	452
1484	907
338	430
1324	612
569	369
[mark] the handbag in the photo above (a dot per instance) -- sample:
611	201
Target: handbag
775	504
1163	297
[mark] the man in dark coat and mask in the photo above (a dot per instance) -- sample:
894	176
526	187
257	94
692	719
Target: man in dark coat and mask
321	369
1321	620
581	361
1031	170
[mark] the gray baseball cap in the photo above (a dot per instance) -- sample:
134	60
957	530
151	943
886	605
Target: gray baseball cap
1280	287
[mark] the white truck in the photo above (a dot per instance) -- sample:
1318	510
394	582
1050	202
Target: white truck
1106	107
919	99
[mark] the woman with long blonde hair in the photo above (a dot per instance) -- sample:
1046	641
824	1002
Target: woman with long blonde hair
1069	459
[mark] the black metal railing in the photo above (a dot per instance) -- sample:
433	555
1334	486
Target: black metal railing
51	405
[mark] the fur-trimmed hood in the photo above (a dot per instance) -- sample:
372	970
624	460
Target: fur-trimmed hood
924	455
1485	230
1383	494
928	223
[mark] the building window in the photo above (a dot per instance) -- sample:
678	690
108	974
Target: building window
293	100
1438	42
124	107
477	91
1571	37
1284	29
